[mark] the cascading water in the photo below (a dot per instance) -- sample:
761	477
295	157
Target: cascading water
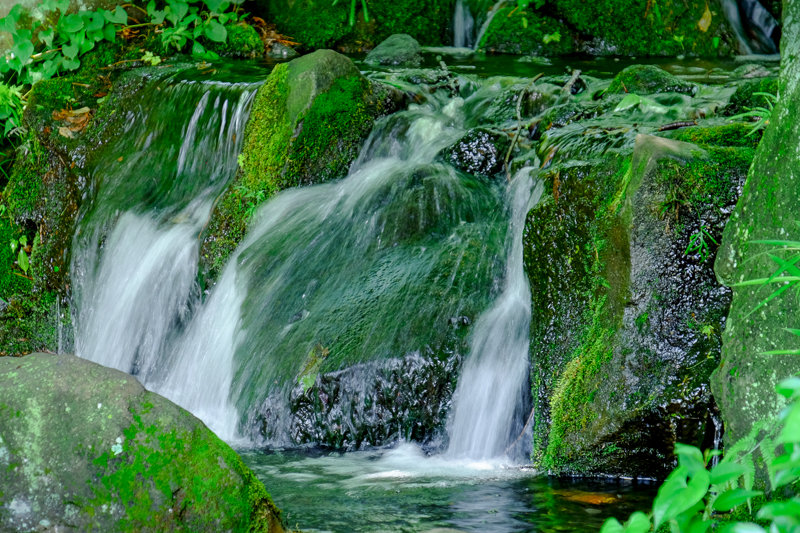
494	374
756	29
136	250
463	24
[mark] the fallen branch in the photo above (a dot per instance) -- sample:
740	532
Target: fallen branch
519	125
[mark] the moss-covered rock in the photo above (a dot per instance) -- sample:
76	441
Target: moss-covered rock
86	447
649	79
242	41
627	313
320	24
645	28
745	97
527	32
758	343
306	126
396	50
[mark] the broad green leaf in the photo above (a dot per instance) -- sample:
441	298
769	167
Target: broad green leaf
197	49
690	456
699	526
70	50
118	16
70	23
612	525
638	523
785	477
70	64
791	424
732	498
726	471
681	496
214	5
774	510
216	31
177	10
22	261
46	36
110	33
23	51
96	22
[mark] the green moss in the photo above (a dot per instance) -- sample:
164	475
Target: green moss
648	79
243	41
651	28
736	134
30	323
12	280
514	31
144	475
745	98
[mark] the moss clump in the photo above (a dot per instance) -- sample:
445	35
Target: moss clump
745	98
649	79
526	32
243	41
644	28
736	134
12	279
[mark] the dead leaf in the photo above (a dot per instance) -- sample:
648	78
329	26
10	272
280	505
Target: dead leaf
705	21
66	132
120	159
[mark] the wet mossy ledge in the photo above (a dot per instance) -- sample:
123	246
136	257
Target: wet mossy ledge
306	126
124	459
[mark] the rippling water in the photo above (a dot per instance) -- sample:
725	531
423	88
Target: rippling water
404	490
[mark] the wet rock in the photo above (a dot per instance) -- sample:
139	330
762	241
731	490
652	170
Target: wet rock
85	447
649	79
365	405
399	50
480	152
744	383
628	316
281	51
515	31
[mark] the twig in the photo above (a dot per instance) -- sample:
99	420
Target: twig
678	125
568	87
22	276
519	125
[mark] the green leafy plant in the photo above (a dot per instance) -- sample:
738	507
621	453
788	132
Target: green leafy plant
699	243
20	247
761	115
12	102
351	19
696	497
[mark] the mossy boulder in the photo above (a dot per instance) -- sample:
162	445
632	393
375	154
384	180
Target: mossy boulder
86	447
644	28
306	126
745	97
649	79
242	41
526	32
319	24
627	313
758	346
399	50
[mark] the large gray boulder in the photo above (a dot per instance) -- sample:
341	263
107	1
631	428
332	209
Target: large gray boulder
399	50
88	448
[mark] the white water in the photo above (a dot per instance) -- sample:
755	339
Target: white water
135	270
495	372
463	25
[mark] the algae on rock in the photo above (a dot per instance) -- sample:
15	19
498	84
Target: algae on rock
87	447
744	383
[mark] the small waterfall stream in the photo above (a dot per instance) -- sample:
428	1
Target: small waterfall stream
463	24
494	374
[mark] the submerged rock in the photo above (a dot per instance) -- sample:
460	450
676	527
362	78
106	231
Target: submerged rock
399	50
479	152
627	313
86	447
649	79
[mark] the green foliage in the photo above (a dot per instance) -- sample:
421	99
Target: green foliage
761	114
698	243
20	247
351	19
695	498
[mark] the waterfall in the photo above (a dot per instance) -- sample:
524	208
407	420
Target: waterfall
495	372
136	248
755	28
462	26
